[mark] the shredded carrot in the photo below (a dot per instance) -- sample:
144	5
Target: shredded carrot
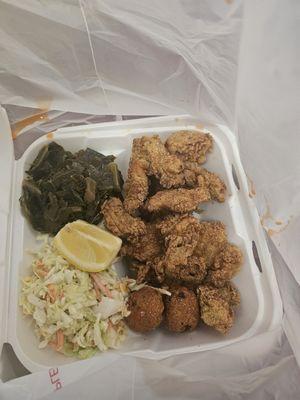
41	273
52	290
101	285
41	269
98	294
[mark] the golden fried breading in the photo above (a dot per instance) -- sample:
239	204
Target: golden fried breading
211	240
179	200
147	272
165	166
190	146
142	271
230	293
226	265
215	185
166	225
182	310
193	247
191	172
216	306
182	240
136	185
182	224
143	274
158	267
119	222
192	271
144	247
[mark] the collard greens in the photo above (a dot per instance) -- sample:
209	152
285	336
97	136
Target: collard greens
62	187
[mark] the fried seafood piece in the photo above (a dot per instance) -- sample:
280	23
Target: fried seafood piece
148	272
191	172
190	146
181	238
146	310
167	224
212	238
159	268
193	271
182	310
226	265
163	165
119	222
180	263
216	306
143	272
230	293
136	186
179	200
198	250
215	185
144	247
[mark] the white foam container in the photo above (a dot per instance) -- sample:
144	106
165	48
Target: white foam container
261	307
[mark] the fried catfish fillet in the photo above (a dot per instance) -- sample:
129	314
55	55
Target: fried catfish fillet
136	185
179	200
119	222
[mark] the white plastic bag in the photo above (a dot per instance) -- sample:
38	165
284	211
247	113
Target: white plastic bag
116	57
225	61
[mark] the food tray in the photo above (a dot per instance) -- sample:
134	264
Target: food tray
261	307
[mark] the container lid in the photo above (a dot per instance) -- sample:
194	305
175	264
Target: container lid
6	170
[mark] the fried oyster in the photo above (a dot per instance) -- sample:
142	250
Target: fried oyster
216	306
190	146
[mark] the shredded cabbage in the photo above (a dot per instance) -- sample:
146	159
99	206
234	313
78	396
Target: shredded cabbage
71	313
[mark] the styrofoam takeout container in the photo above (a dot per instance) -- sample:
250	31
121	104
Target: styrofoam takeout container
260	309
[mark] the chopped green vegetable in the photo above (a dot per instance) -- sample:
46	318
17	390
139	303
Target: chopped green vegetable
62	187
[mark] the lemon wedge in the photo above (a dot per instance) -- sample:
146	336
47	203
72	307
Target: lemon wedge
87	247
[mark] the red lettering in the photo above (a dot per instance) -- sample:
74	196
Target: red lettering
55	379
53	372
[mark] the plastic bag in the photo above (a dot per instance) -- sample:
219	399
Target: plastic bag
116	57
226	62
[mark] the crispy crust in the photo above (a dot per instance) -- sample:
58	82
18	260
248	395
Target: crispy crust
119	222
182	310
179	200
146	310
190	146
216	306
146	246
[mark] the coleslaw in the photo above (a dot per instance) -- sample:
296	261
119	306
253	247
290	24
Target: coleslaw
75	312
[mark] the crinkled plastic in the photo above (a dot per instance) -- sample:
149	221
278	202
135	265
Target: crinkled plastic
227	62
116	57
